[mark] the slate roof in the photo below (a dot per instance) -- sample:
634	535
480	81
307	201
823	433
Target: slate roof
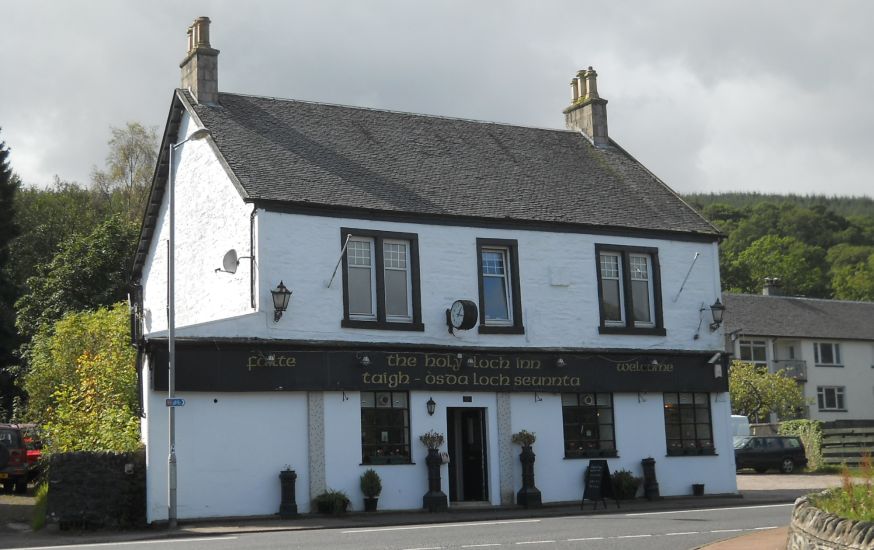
368	162
321	154
790	317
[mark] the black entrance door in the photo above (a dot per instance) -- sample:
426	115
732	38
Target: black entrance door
468	475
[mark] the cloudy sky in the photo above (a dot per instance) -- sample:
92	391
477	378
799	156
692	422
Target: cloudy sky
775	97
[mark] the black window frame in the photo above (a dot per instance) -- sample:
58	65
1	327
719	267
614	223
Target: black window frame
697	448
380	323
835	353
388	459
512	248
624	252
751	346
595	451
840	394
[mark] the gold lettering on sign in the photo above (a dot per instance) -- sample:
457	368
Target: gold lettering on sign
442	361
495	363
271	360
527	363
637	366
398	360
389	379
541	381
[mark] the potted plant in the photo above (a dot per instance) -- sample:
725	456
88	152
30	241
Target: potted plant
432	440
371	486
331	502
529	495
524	438
625	484
435	499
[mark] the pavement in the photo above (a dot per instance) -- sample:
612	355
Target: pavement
753	490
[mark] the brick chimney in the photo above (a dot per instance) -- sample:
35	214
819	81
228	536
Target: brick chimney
200	66
588	112
772	287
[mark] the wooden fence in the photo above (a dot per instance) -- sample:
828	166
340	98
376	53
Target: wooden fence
845	441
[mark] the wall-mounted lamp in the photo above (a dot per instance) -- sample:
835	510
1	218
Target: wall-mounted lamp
345	397
470	362
281	297
560	363
364	360
537	397
717	310
431	406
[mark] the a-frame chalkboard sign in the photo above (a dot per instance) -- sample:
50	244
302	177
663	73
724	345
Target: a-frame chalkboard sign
598	484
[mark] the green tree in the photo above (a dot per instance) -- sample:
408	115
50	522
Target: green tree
855	282
82	382
88	272
799	266
9	186
47	218
130	163
756	393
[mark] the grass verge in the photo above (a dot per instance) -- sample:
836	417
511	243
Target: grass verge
38	521
852	500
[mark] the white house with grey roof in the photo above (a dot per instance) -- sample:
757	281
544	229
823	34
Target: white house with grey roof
466	277
826	345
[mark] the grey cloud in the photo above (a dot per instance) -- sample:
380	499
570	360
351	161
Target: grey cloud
800	107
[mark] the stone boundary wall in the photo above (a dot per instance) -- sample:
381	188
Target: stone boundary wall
90	490
814	529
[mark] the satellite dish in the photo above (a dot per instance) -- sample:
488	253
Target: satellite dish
230	261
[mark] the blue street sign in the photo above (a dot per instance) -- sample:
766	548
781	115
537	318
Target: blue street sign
175	402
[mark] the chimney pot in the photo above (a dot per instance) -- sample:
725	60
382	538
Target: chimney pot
200	66
588	112
771	287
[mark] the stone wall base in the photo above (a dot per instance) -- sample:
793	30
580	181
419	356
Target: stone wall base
814	529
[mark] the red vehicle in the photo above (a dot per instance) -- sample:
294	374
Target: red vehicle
34	449
13	458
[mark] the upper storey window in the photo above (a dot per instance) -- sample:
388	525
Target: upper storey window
500	303
629	290
381	287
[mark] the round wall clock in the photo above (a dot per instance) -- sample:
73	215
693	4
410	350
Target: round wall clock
463	315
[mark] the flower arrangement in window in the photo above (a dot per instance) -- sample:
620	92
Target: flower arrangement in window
432	439
524	438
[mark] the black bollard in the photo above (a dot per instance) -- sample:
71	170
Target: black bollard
650	483
288	504
529	495
434	500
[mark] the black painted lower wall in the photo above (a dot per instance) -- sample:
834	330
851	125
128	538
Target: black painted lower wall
91	490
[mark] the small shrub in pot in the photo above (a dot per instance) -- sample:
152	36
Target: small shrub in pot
625	484
371	486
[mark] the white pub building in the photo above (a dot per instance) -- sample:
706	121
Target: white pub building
471	278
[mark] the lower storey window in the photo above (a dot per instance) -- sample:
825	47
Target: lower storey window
830	398
588	424
687	423
385	427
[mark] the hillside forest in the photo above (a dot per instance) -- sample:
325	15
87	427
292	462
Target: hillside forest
66	253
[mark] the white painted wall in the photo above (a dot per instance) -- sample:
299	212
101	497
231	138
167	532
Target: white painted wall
640	433
856	376
302	251
230	452
211	218
403	485
230	448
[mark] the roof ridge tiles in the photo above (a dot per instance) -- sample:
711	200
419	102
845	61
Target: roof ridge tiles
397	112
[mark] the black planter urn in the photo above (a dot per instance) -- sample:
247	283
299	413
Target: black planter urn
434	500
529	495
370	504
288	504
650	483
